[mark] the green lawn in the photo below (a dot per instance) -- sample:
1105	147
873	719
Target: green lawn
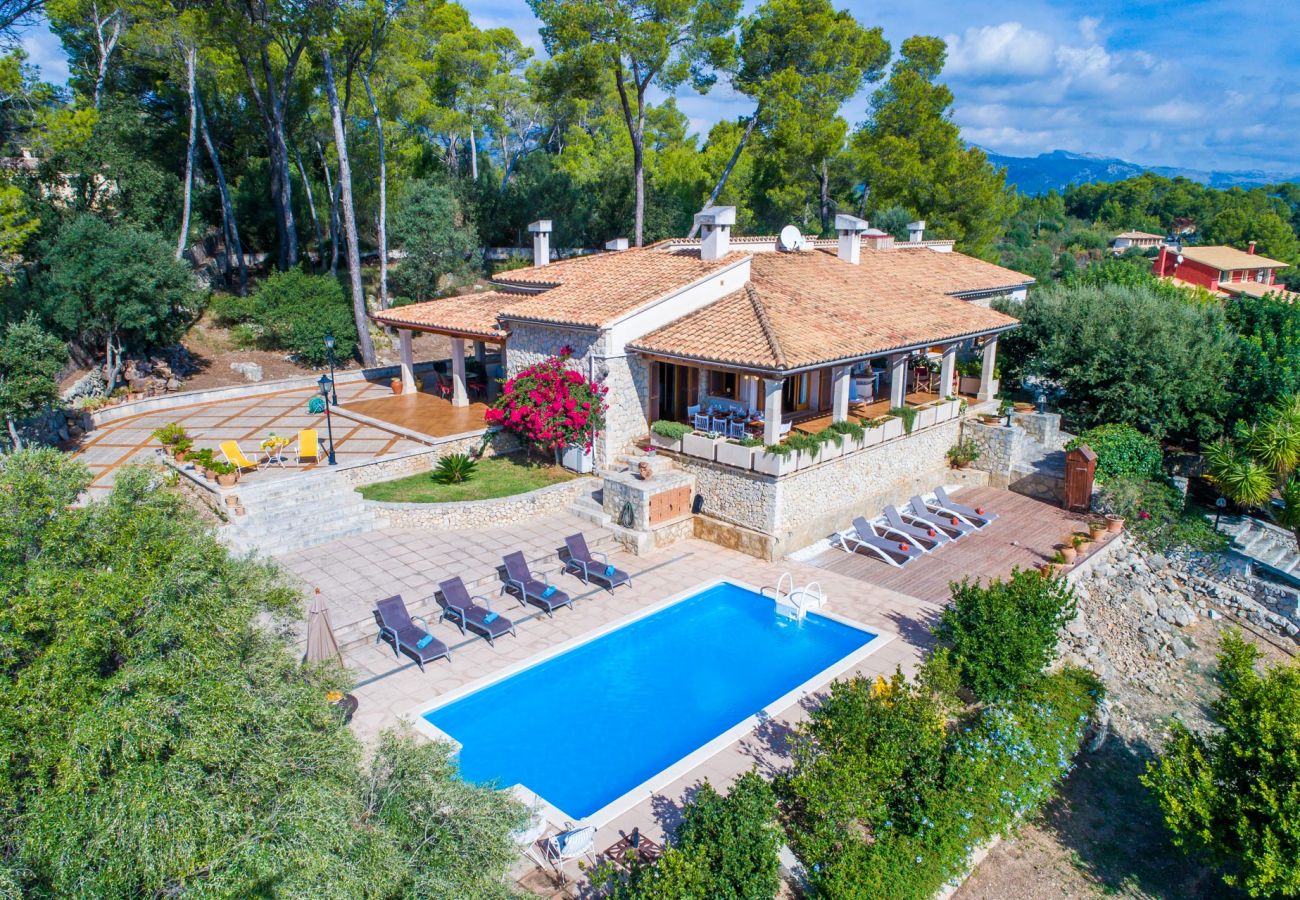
498	476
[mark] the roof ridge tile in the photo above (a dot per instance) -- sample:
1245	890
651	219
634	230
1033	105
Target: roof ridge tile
765	323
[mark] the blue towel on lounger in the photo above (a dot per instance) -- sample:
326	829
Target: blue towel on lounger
489	618
550	589
609	571
424	642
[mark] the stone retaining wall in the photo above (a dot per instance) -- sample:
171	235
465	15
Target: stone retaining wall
1000	449
485	513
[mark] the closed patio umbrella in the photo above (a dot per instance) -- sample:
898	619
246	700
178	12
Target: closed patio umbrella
321	643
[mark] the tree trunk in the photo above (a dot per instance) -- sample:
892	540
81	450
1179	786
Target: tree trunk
731	164
311	209
229	227
112	361
382	222
825	180
106	38
473	155
273	109
13	433
334	211
636	130
189	154
349	217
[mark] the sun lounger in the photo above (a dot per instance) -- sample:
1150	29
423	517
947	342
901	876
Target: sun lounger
459	606
590	568
573	843
522	584
977	516
863	536
922	513
399	628
235	456
927	536
308	445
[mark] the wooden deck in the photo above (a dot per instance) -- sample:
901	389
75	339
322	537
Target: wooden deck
1027	533
421	412
863	411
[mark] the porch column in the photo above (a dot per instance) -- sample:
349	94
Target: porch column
750	394
493	389
459	396
897	379
480	351
408	359
947	368
772	409
987	390
840	381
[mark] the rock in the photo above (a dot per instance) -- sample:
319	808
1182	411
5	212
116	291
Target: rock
1179	648
250	371
1212	614
1184	617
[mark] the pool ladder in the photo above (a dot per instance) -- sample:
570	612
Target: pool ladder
795	602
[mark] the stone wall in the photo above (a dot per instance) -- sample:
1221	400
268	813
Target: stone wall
1045	428
485	513
1000	449
390	467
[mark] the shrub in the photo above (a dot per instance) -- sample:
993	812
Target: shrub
1155	513
1230	794
830	436
907	414
854	430
230	309
799	440
674	431
170	434
296	310
963	453
551	405
1122	451
1004	634
454	468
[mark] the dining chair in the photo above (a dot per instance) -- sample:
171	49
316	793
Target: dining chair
720	424
737	430
692	411
702	422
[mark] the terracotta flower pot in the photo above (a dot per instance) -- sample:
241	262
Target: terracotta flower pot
1114	524
227	480
645	471
1069	553
1045	569
397	385
1023	407
990	419
1096	531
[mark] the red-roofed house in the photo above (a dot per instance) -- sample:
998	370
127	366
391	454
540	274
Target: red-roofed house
1223	270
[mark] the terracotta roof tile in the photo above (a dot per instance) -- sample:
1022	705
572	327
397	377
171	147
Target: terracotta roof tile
471	315
595	290
1221	257
806	309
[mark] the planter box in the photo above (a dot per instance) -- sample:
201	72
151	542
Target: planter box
892	428
665	443
736	455
772	464
873	436
806	460
925	417
829	451
953	407
969	384
700	445
576	459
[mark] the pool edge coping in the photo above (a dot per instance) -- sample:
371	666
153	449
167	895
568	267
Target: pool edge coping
661	779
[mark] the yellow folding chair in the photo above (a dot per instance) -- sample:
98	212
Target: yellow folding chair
308	445
230	450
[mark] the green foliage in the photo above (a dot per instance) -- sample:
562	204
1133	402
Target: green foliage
171	744
1267	359
231	309
1003	634
907	414
30	361
884	800
830	436
674	431
454	468
1126	355
1155	513
736	837
296	310
803	442
854	430
436	237
1122	452
115	286
169	435
963	453
1230	795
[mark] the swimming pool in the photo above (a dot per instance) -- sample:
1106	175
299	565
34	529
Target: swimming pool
626	712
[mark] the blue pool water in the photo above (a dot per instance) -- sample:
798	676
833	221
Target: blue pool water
583	728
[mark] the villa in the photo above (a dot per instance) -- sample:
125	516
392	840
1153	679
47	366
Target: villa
1223	270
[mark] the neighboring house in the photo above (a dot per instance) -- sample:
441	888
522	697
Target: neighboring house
1226	271
774	325
1142	240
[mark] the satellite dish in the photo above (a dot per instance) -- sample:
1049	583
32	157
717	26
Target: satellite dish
790	238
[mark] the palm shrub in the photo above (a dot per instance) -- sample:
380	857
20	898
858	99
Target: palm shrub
1004	634
1230	795
1259	465
454	468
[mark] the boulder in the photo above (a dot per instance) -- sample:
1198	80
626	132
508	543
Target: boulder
250	371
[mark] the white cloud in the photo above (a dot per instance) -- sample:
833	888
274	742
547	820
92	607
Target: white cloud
1005	50
44	50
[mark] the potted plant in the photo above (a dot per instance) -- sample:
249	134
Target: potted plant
891	427
203	461
990	419
906	416
1068	553
1021	406
182	449
962	454
875	431
806	446
738	453
1114	523
927	415
831	444
396	385
1080	542
855	435
776	459
1096	530
170	434
226	474
668	434
701	444
1059	562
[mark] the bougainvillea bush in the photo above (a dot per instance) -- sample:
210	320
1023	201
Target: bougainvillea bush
551	405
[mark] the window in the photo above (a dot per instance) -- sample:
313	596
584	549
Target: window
794	393
724	384
1225	276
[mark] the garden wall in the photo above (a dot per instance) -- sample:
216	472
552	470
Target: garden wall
485	513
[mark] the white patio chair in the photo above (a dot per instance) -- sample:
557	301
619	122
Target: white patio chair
565	846
784	429
702	422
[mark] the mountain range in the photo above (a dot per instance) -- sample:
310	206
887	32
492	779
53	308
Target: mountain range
1061	168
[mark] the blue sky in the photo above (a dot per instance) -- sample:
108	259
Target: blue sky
1204	85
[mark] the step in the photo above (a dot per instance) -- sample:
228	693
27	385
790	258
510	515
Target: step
587	509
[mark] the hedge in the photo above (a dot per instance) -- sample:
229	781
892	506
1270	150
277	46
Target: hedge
1122	452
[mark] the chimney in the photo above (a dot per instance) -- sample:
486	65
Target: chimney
878	240
850	229
916	231
541	231
618	245
1250	248
715	230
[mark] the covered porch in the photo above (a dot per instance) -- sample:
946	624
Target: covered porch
768	406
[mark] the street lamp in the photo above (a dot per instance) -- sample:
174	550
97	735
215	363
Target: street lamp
329	352
1219	504
325	384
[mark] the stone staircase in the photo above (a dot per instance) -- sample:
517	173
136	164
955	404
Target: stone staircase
1264	544
299	512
